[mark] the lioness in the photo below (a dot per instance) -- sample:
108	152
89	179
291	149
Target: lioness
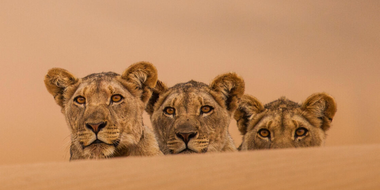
193	117
284	123
104	111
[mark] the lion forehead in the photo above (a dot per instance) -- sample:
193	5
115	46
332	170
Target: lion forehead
280	117
190	86
189	101
100	87
104	76
282	104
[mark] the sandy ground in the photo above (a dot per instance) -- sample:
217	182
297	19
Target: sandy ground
280	48
353	167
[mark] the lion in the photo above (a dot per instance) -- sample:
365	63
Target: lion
194	117
104	111
284	123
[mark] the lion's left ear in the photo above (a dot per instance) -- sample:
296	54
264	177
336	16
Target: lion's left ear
227	90
322	106
158	90
57	81
248	108
140	78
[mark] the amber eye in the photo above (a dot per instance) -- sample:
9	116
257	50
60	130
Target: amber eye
301	132
80	100
264	133
169	110
206	109
116	98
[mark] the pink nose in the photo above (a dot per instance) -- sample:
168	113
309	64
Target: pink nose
96	127
186	136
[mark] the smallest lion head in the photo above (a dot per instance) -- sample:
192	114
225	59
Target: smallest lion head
193	117
104	111
284	123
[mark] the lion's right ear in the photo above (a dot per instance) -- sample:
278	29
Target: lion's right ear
321	106
228	89
158	90
141	78
56	81
249	107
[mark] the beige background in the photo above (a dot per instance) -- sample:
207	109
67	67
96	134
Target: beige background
292	49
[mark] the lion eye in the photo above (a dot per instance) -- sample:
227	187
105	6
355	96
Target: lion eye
206	109
80	100
116	98
169	110
301	132
264	133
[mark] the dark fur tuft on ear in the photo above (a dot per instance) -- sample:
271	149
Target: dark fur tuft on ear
159	89
249	106
229	87
321	106
143	77
56	81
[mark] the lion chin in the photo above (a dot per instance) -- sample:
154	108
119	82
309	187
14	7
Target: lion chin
188	151
99	151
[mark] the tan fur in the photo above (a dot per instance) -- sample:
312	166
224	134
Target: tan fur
209	130
122	132
282	118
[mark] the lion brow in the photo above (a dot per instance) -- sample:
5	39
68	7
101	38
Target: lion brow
201	100
173	102
112	89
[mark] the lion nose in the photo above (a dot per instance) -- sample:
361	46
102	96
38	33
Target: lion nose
96	127
186	136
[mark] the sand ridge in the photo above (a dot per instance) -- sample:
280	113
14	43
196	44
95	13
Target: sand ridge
348	167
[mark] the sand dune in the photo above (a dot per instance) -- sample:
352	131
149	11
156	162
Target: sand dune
350	167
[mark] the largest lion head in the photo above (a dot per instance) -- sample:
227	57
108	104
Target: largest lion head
104	111
194	117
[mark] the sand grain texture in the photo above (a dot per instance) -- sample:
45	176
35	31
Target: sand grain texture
352	167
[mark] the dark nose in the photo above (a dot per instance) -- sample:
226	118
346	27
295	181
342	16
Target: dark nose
96	127
186	136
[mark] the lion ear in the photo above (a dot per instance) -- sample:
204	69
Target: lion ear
229	89
321	106
56	81
160	88
249	107
141	77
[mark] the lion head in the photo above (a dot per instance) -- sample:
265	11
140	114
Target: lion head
104	110
284	123
193	117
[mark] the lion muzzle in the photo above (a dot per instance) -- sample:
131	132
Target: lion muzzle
186	137
96	127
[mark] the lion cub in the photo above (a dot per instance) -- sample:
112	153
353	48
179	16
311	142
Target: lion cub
104	111
284	123
194	117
